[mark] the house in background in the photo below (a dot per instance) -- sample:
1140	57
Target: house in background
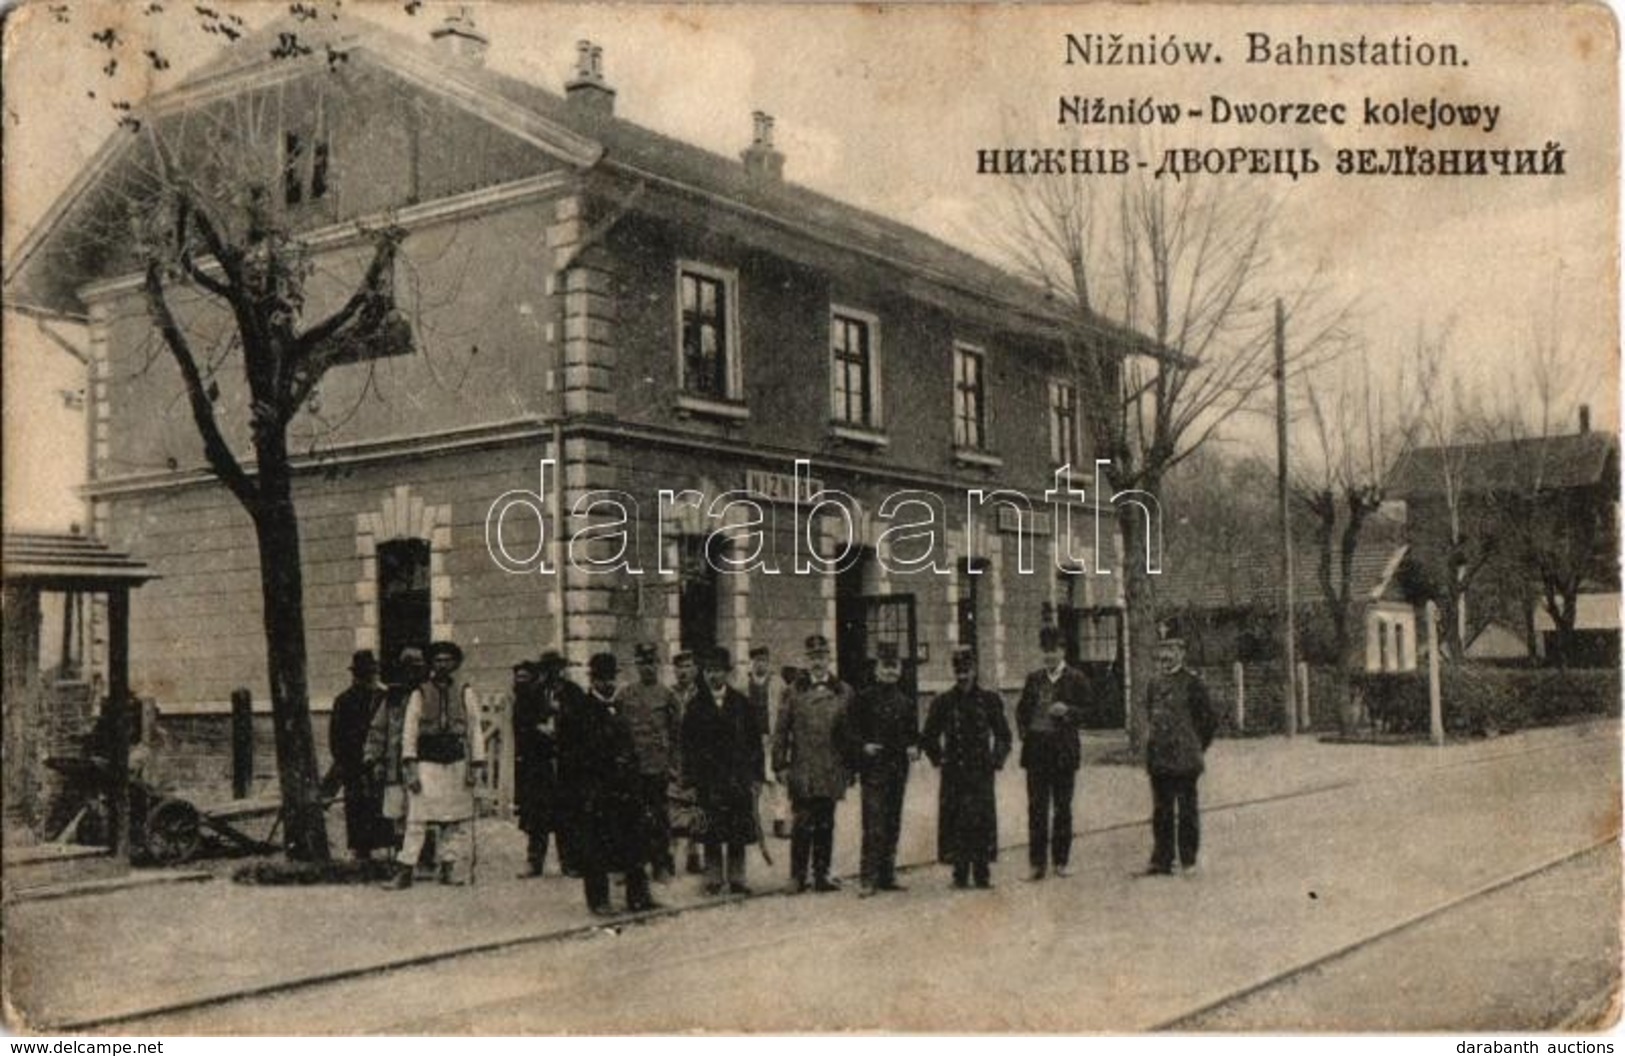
647	315
1228	606
1538	522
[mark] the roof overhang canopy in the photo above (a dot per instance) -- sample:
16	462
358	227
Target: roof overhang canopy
51	561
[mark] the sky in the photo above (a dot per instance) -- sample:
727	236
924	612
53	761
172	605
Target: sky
886	108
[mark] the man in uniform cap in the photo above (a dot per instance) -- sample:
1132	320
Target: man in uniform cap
967	737
353	712
722	762
442	755
611	837
763	691
1181	723
884	729
1048	717
810	761
656	720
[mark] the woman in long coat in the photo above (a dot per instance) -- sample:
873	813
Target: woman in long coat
967	736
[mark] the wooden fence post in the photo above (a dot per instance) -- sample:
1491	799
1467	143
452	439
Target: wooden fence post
1435	703
242	743
1239	675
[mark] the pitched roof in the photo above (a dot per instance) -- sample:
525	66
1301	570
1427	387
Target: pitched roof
1251	577
1572	460
69	561
639	151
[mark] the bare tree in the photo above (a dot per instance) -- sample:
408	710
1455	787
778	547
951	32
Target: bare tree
1174	284
1358	431
201	205
1557	534
1451	420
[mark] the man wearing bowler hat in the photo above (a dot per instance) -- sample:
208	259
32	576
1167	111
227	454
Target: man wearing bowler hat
722	762
442	755
1182	723
1047	720
610	838
353	712
883	729
967	738
809	759
564	702
535	763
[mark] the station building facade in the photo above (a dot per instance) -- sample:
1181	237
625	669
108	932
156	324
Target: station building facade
639	314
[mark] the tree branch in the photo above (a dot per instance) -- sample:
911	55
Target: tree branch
215	449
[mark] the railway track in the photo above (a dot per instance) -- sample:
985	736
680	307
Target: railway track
1274	979
1195	1018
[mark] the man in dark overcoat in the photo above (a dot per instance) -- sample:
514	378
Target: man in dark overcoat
967	736
883	727
1182	723
723	764
535	764
568	703
353	711
809	757
1048	715
596	743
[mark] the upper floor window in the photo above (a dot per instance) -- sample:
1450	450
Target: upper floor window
855	368
708	347
970	398
1063	422
304	168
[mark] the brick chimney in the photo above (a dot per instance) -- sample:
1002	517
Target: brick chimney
760	159
460	39
1585	418
587	89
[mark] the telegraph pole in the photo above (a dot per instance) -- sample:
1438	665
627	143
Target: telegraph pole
1290	651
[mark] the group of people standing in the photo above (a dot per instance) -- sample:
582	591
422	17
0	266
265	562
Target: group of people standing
613	774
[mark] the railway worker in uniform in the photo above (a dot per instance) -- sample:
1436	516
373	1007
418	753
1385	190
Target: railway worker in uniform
1181	723
722	763
442	754
809	757
353	711
535	764
565	701
967	737
611	837
884	730
383	750
1048	715
766	698
685	686
656	720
